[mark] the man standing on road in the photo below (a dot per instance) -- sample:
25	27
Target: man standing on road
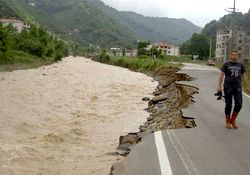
233	71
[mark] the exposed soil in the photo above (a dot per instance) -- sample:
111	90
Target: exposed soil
170	97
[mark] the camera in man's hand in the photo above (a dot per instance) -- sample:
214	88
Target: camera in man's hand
219	95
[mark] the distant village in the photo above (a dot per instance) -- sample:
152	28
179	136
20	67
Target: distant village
223	43
166	48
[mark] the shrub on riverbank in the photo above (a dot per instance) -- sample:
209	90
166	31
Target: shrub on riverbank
29	46
140	64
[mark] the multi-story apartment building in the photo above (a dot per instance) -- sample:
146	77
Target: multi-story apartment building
242	42
222	44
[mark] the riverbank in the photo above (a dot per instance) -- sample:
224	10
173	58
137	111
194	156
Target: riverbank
22	66
170	97
65	118
57	118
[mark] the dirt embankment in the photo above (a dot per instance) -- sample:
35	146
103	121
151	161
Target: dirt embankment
170	97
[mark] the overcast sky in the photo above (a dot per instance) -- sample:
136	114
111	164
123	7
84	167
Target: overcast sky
199	12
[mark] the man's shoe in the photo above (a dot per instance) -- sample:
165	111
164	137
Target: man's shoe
233	120
228	122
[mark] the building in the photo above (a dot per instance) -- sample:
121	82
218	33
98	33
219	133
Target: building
242	41
132	53
117	51
18	25
124	52
222	44
167	49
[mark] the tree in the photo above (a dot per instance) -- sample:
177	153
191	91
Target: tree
141	47
75	49
3	39
184	49
199	45
123	52
59	50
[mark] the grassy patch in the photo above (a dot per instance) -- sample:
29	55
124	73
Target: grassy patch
179	59
145	64
141	64
15	60
247	66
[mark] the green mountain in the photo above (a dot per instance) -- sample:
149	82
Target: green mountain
156	29
6	11
92	22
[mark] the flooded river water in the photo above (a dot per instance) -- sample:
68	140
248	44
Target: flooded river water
66	118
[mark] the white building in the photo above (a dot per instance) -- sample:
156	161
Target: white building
18	25
241	43
120	52
167	49
117	51
223	37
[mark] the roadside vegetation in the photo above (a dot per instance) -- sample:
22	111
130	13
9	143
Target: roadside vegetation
33	47
142	63
247	66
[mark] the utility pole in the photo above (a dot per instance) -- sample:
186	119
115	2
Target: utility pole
210	50
233	12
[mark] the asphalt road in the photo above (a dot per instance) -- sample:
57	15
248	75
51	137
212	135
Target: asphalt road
208	149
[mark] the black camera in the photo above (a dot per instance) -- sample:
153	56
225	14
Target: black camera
219	95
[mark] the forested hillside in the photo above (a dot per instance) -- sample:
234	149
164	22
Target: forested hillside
6	11
92	22
152	28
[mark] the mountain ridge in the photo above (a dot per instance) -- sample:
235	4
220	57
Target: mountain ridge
92	22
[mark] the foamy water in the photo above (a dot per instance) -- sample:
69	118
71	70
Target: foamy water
65	118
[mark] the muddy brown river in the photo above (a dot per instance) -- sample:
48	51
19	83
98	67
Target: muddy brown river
66	118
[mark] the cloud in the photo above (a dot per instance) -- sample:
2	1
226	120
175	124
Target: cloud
199	12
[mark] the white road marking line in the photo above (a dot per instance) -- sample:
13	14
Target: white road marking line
190	167
248	96
199	68
162	154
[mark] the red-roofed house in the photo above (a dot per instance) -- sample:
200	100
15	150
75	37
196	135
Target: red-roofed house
167	48
19	25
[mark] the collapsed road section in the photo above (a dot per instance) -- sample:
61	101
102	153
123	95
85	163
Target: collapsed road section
165	109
